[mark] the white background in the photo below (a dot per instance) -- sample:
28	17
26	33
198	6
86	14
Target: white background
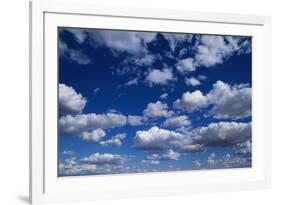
14	100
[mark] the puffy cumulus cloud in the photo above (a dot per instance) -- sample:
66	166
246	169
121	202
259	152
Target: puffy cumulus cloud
134	120
233	102
116	140
186	65
228	101
244	149
159	139
177	121
70	102
191	101
159	77
106	158
157	109
76	125
223	134
192	81
95	135
76	56
192	148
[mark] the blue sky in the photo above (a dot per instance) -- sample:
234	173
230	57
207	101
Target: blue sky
133	101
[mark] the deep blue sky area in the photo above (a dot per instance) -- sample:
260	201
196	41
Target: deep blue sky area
132	101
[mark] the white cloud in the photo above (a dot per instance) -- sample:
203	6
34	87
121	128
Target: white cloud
229	102
157	109
134	120
228	161
175	39
177	121
192	81
211	50
106	158
70	102
186	65
155	159
74	55
131	42
192	148
75	125
191	101
233	102
116	140
164	96
68	152
95	135
70	167
244	149
171	155
66	169
159	139
159	77
223	134
132	82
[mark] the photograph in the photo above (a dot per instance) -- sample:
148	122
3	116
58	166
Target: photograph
134	101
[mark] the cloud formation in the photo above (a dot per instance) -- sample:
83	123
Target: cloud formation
159	77
159	139
76	125
116	140
134	120
224	134
157	109
106	158
233	102
191	101
95	135
70	102
177	121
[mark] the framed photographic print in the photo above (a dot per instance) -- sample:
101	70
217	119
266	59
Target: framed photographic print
128	102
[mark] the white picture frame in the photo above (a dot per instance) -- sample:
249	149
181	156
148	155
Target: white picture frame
46	187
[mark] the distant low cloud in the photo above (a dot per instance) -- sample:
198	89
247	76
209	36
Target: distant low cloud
70	102
76	125
106	158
